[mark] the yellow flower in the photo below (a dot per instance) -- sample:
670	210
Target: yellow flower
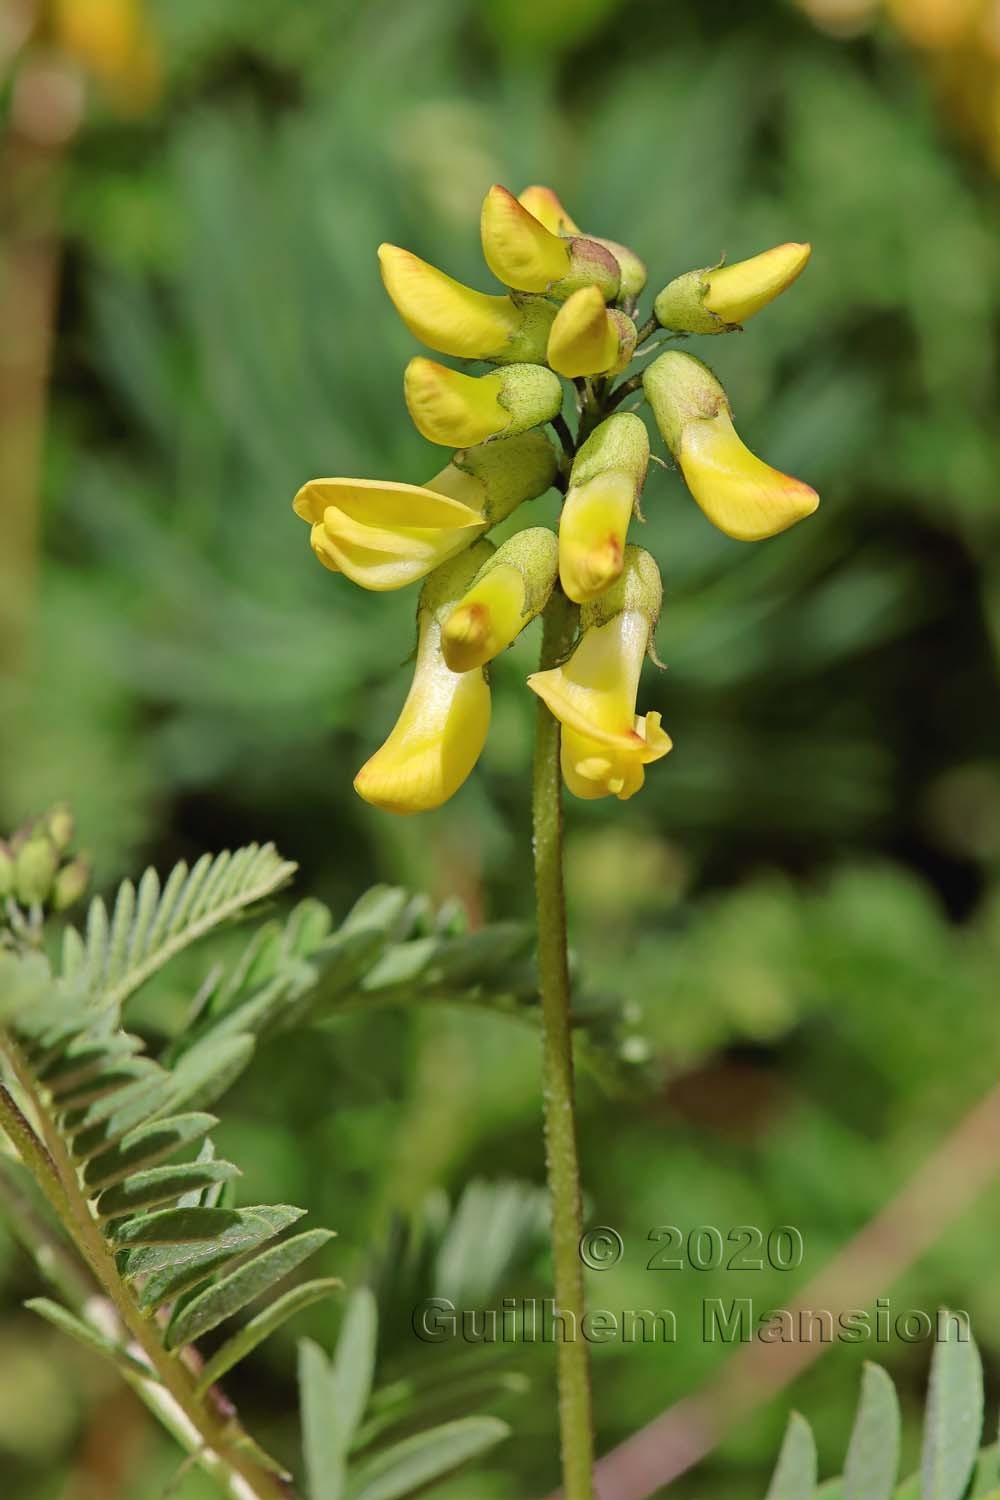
456	320
442	728
511	588
719	299
457	410
543	203
606	480
739	493
588	338
522	253
384	535
113	41
605	744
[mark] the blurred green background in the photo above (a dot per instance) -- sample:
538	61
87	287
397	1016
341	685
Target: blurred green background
801	909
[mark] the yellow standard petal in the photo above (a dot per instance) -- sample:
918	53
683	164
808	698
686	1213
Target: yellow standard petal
738	492
451	408
735	293
543	203
443	313
585	337
384	535
519	250
592	531
605	744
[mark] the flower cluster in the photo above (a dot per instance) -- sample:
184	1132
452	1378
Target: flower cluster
567	311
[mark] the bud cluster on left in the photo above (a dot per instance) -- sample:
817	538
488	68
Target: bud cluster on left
567	313
39	870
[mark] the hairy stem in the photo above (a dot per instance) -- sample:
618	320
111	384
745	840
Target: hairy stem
575	1414
215	1437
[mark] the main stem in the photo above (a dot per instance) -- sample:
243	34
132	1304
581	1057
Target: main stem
576	1428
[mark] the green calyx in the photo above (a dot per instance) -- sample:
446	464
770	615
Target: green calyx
681	389
619	443
532	394
681	305
534	552
510	469
639	587
529	342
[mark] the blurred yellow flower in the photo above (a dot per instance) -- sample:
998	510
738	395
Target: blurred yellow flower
111	40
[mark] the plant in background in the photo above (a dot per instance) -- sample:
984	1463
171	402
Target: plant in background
110	1178
568	310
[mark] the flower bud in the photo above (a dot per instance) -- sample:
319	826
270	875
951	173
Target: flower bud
605	483
545	206
721	299
510	589
739	493
34	869
523	254
70	884
633	270
458	410
6	870
588	338
61	826
442	728
605	744
384	535
456	320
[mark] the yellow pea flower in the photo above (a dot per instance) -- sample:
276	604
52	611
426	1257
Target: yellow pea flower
717	300
442	728
522	253
113	41
605	483
510	589
588	338
456	320
457	410
543	203
546	208
605	744
384	535
739	493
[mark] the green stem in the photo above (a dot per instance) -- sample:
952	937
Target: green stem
575	1414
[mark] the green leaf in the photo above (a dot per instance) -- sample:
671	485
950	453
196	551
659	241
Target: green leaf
172	1269
67	1322
322	1448
174	1226
354	1362
421	1459
219	1301
263	1325
795	1475
986	1478
145	1147
954	1418
873	1456
204	1073
162	1185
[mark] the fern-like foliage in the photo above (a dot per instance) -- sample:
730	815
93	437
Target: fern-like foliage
952	1467
121	1145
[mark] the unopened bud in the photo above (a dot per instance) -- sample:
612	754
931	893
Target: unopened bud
61	825
605	483
460	410
721	299
34	869
70	884
510	589
738	492
588	338
523	254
